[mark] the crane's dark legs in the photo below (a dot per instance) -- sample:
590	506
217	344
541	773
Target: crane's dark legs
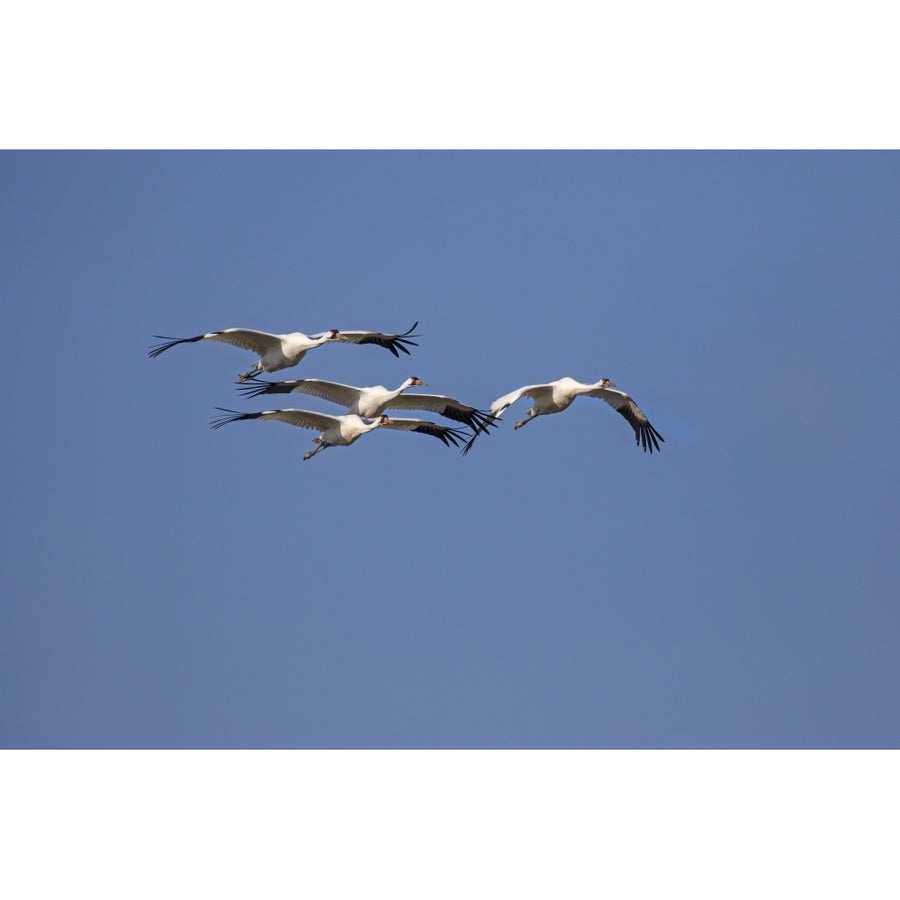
312	453
251	374
522	422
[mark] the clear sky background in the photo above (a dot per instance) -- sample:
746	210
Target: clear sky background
170	586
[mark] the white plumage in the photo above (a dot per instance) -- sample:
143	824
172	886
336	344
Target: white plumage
366	405
555	396
340	431
281	351
372	401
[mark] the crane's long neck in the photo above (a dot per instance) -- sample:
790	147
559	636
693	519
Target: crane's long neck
371	426
392	395
326	337
579	388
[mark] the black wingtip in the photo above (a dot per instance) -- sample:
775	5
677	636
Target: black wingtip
489	422
646	438
469	443
453	436
254	387
156	349
233	415
401	340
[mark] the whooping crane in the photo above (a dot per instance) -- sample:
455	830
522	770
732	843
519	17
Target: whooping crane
281	351
558	395
340	431
370	402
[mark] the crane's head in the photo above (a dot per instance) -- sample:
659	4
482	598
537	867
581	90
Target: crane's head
412	381
383	420
605	382
334	334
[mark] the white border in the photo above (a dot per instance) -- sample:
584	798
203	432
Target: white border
449	824
468	74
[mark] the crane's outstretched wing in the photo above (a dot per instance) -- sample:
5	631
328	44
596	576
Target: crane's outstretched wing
645	435
443	406
501	404
535	391
392	342
343	394
259	342
445	433
302	418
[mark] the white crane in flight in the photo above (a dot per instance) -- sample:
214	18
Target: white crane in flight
281	351
370	402
340	431
555	396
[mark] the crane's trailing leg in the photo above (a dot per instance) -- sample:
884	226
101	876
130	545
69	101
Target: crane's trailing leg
522	422
251	374
312	453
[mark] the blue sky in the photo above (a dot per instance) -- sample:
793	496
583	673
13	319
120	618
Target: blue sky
166	585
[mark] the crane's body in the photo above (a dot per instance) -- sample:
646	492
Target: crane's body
556	396
281	351
372	401
340	431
